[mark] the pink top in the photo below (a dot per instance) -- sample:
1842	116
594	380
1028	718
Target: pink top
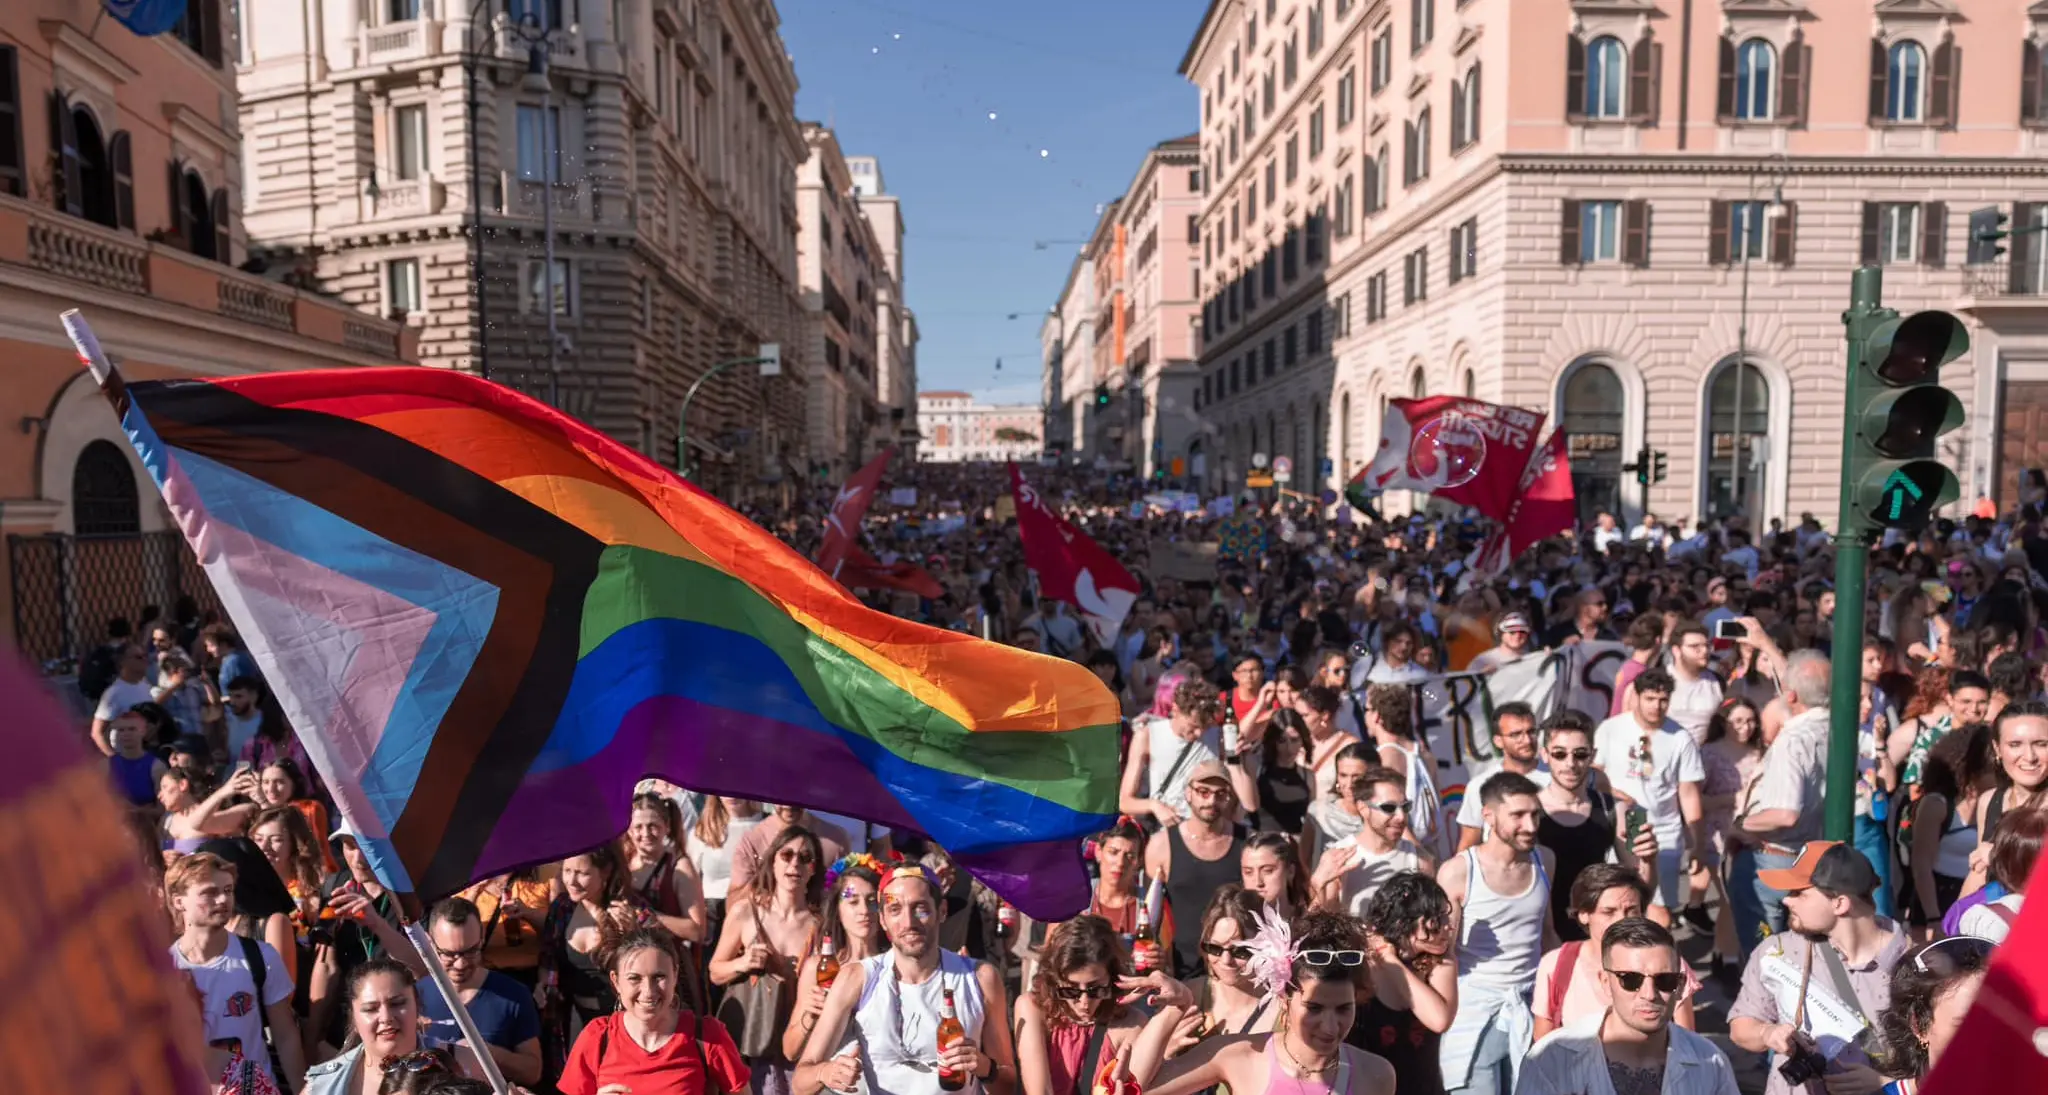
1278	1082
1068	1043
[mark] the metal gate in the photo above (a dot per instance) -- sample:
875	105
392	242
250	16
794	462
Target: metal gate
66	588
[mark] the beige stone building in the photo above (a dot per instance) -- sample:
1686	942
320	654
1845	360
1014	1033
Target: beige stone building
1597	209
895	324
661	132
839	270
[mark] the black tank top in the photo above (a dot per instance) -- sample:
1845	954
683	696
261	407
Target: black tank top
1400	1037
1576	847
1190	882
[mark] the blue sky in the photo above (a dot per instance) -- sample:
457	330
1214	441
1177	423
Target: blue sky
913	82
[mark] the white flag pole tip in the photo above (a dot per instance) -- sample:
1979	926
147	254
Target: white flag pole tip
88	346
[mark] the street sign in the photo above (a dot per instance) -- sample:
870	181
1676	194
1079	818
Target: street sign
1257	481
1329	467
1283	469
771	359
1258	460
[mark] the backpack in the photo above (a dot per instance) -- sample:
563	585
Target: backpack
97	672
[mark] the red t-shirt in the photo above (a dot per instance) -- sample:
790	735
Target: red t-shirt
674	1069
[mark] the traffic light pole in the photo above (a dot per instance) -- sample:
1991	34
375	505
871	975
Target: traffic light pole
1852	559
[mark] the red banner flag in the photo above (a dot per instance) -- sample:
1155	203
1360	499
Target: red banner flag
1071	567
861	570
842	528
1999	1046
1460	450
1545	504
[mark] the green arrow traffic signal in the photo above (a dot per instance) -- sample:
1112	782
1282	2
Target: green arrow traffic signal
1900	410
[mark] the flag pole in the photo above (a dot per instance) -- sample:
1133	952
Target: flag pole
109	379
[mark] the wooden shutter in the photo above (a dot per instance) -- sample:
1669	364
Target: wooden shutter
1635	233
181	213
1941	90
1784	234
2023	246
223	229
1934	234
2030	83
209	31
1642	81
1457	115
1453	250
13	157
1724	105
1408	153
1877	80
1792	82
121	157
1871	213
1574	77
1472	105
1569	247
64	138
1720	249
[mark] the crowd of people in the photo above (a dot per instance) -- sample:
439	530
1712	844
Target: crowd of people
1290	903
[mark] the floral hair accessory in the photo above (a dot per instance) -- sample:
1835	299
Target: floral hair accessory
1273	952
855	859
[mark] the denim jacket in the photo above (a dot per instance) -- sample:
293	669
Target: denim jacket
332	1077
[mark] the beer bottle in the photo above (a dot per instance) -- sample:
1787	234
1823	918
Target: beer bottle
950	1031
1145	955
828	964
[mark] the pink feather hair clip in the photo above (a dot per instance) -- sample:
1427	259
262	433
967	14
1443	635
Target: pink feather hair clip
1273	953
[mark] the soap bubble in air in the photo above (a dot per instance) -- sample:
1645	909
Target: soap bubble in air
991	115
1044	152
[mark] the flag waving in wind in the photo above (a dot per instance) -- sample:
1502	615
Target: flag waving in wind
1071	567
487	621
842	526
148	18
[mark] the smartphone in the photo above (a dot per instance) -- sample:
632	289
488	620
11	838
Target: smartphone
1730	630
1638	820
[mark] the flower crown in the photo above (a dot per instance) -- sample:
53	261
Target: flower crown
855	859
1273	952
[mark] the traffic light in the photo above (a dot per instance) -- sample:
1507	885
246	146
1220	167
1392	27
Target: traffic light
1987	230
1900	408
1658	467
1102	395
1641	467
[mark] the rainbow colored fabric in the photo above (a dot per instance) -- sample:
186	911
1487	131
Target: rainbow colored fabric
487	621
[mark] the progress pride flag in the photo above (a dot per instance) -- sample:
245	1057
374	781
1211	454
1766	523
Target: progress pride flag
1071	567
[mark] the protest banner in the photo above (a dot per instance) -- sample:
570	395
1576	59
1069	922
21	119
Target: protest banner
1183	561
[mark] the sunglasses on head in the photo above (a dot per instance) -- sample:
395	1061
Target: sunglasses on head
419	1060
1218	950
1092	992
1571	754
1392	808
1955	954
1664	983
1347	959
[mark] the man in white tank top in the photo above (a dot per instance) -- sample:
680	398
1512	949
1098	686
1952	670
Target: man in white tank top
1501	891
878	1031
1165	753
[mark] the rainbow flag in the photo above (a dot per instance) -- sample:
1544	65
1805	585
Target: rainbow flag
487	621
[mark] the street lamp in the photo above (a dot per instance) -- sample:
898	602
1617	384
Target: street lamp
470	60
770	361
1774	172
537	82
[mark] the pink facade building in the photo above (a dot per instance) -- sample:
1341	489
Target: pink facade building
1599	209
959	429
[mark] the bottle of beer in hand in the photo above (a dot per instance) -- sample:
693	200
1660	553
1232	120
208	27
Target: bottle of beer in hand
828	964
1145	952
950	1031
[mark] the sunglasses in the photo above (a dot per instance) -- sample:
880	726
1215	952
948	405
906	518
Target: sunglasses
423	1060
1392	808
1580	755
1347	959
1092	992
1955	954
1218	950
1664	983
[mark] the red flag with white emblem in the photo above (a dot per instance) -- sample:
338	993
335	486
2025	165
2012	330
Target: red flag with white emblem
842	528
1071	567
2002	1044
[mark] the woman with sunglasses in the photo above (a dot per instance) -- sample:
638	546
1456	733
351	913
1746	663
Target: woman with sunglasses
1412	995
1075	1019
1932	989
767	932
1227	999
653	1044
1568	984
1271	867
383	1034
1313	975
853	930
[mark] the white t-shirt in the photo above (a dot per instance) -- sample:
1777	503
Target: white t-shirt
241	728
1674	759
227	992
1693	704
120	696
1982	922
1470	815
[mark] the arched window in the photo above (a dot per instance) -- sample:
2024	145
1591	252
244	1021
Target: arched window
196	215
1606	78
1905	88
1470	385
1344	439
1755	63
1738	401
1594	406
103	498
95	170
1418	386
